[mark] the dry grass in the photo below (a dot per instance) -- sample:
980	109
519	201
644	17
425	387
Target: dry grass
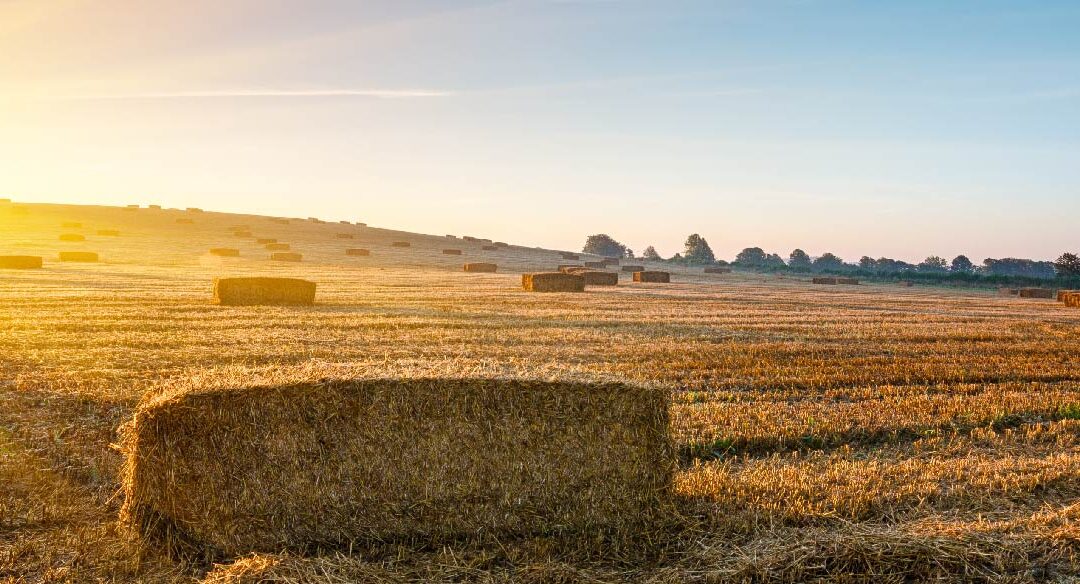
840	434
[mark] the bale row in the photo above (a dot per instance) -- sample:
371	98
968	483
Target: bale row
227	470
552	282
263	291
401	244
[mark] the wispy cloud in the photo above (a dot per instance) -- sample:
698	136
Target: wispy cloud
262	93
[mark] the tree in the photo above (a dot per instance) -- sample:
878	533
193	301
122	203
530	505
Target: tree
799	259
933	265
604	245
1019	267
697	250
751	257
961	265
650	254
867	263
828	261
774	260
1067	265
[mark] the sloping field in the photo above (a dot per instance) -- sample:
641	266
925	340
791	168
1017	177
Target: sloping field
840	433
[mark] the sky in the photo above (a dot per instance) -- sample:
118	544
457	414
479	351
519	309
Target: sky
882	128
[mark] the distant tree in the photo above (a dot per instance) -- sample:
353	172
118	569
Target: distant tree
1019	267
650	254
828	261
1068	265
774	260
629	253
751	257
604	245
933	265
961	265
799	259
867	263
697	250
676	258
891	266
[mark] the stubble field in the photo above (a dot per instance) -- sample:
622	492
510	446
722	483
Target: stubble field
833	433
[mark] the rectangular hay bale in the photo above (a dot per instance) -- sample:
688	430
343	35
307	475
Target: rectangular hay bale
552	282
20	262
652	276
225	252
78	256
717	270
266	240
401	244
263	291
277	246
72	237
356	251
633	268
599	278
824	280
451	252
225	470
569	256
286	256
345	236
595	265
481	267
1036	293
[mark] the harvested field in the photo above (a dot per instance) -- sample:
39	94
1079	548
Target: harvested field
357	252
277	246
78	256
72	237
263	291
286	256
828	434
108	232
552	282
456	252
225	252
652	276
717	270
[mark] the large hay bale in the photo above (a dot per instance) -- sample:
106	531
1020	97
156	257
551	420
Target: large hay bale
468	238
401	244
652	276
481	267
263	291
72	237
907	284
356	251
1072	300
595	265
225	252
451	252
717	270
552	282
266	240
611	261
599	278
569	256
359	224
501	244
1062	294
824	280
277	246
78	256
633	268
225	471
286	256
19	262
108	232
1036	293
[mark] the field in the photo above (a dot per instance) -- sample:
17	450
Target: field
839	433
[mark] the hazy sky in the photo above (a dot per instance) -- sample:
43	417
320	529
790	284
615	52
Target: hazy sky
898	128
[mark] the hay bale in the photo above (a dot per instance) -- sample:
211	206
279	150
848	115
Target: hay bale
357	252
71	225
596	265
222	471
481	267
552	282
225	252
263	291
78	256
193	210
154	207
907	284
277	246
652	276
1072	300
359	224
72	237
286	256
569	256
345	236
108	232
848	281
717	270
343	222
599	278
448	236
1008	291
824	280
501	244
633	268
401	244
488	247
20	262
1062	294
611	261
266	240
451	252
1036	293
468	238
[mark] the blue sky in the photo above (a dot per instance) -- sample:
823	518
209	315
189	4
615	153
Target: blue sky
883	128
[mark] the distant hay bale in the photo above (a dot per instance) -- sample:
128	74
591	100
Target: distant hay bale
448	236
343	222
598	278
315	220
569	256
131	208
345	236
848	281
1036	293
356	251
717	270
468	238
456	252
108	232
501	244
481	267
154	207
552	282
401	244
596	265
263	291
194	210
611	261
652	276
20	262
1008	291
824	280
223	471
265	240
71	225
225	252
359	224
633	268
286	256
72	237
907	284
277	246
78	256
488	247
